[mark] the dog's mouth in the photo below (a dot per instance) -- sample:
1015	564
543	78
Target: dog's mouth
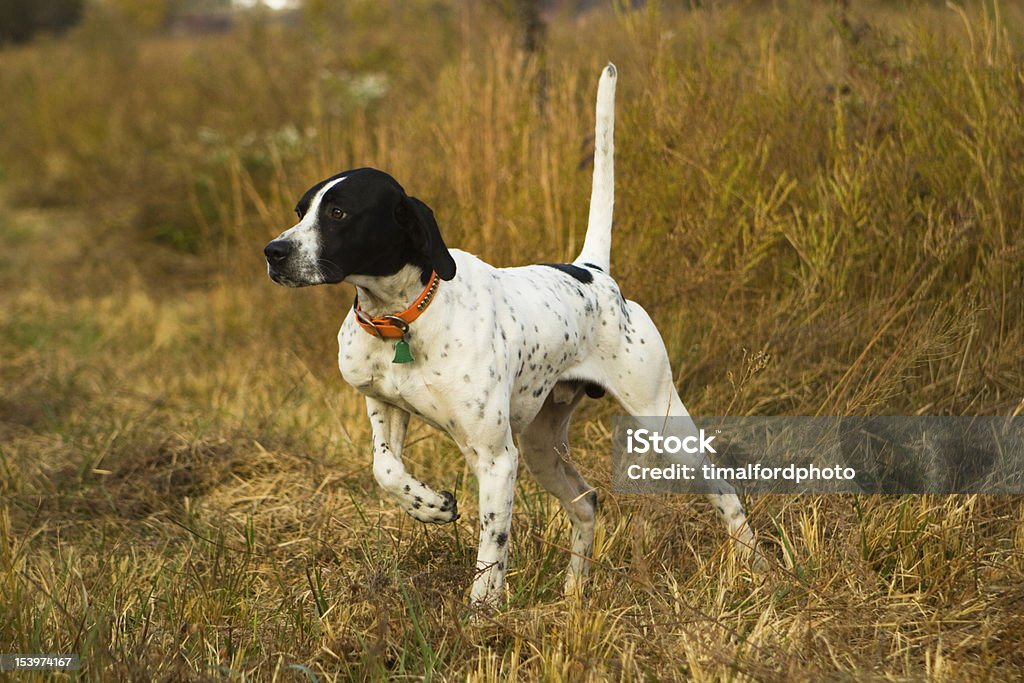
290	279
286	280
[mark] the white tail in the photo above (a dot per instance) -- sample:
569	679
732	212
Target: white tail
597	244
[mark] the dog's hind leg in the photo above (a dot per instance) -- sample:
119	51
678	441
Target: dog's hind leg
544	445
636	371
389	425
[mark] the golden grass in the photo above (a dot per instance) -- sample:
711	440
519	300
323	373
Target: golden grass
820	207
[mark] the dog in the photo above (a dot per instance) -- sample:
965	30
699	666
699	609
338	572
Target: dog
486	354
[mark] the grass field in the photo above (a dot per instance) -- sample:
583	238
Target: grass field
820	204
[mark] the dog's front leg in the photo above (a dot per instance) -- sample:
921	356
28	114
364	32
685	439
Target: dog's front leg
389	425
496	473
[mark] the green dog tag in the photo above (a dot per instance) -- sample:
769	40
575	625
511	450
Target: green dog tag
402	354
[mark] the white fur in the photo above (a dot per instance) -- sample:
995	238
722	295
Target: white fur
597	244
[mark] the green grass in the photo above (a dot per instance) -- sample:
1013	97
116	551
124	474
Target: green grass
819	206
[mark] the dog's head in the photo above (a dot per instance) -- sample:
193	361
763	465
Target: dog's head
359	222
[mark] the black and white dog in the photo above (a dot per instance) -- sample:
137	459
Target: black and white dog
486	354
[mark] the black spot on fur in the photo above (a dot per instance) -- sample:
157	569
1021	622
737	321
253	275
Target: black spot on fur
501	539
580	274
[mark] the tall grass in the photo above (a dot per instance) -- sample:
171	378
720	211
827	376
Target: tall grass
818	203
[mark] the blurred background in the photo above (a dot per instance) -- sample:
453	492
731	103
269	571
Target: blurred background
819	203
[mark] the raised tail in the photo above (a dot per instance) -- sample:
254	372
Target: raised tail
597	244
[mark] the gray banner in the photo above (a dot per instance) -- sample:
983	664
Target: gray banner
818	454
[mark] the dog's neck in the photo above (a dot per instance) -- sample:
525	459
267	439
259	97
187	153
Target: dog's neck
387	294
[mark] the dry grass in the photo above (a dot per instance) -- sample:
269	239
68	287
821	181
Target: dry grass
820	207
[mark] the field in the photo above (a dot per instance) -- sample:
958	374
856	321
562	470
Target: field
820	204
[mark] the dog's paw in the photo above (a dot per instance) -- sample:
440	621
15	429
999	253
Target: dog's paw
450	505
572	589
441	511
483	612
758	561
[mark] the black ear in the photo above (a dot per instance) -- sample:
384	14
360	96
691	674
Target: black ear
417	218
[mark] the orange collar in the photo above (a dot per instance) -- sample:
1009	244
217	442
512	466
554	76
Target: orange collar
396	325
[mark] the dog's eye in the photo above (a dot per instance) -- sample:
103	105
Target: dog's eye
337	214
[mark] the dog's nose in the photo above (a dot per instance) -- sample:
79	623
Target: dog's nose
278	251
